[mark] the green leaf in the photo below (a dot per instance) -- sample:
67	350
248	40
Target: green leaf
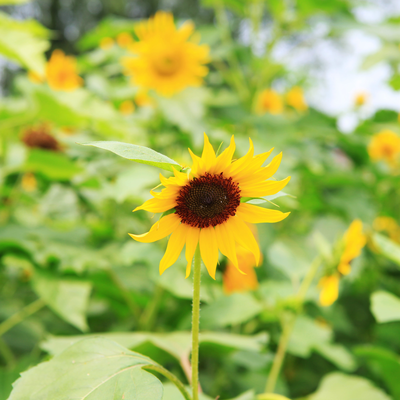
54	165
92	369
385	364
171	392
387	247
385	306
12	2
23	42
230	310
66	297
345	387
140	154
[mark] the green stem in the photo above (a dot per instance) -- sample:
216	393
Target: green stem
21	315
125	294
171	377
147	317
287	327
196	323
7	354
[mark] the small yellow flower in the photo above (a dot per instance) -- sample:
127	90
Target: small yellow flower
34	77
329	286
207	209
385	146
126	107
124	39
269	101
143	99
61	72
295	98
167	59
354	241
29	182
106	43
360	99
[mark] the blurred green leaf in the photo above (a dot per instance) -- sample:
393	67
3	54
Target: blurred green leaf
92	369
337	386
140	154
52	164
23	42
387	247
385	306
385	364
12	2
66	297
230	310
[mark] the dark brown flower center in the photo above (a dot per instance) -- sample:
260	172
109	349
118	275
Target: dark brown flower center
208	201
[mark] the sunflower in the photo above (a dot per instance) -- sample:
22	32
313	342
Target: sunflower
167	59
295	98
269	101
385	146
207	207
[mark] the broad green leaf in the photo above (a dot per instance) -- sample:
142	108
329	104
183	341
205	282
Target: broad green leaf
337	386
66	297
309	336
92	369
140	154
178	344
230	310
387	247
54	165
23	42
384	364
385	306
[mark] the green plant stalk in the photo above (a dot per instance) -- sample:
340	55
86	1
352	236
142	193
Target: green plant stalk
7	354
21	315
287	327
196	323
171	377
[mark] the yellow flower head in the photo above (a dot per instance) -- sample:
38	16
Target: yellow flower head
329	286
207	209
385	145
167	60
126	107
106	43
354	241
295	98
360	99
269	101
124	39
61	72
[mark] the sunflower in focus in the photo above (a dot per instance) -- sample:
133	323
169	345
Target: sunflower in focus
353	241
206	207
61	72
167	59
385	146
295	98
269	101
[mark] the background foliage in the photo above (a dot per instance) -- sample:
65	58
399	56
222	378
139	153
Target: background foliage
67	265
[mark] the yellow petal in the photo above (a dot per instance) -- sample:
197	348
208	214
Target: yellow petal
344	268
157	205
209	249
251	167
208	156
226	243
264	173
162	228
329	289
238	165
192	240
263	189
244	236
174	247
256	215
225	158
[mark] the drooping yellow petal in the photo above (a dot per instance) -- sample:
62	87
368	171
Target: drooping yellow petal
244	236
157	205
209	249
329	289
174	247
263	189
192	240
257	215
162	228
226	243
